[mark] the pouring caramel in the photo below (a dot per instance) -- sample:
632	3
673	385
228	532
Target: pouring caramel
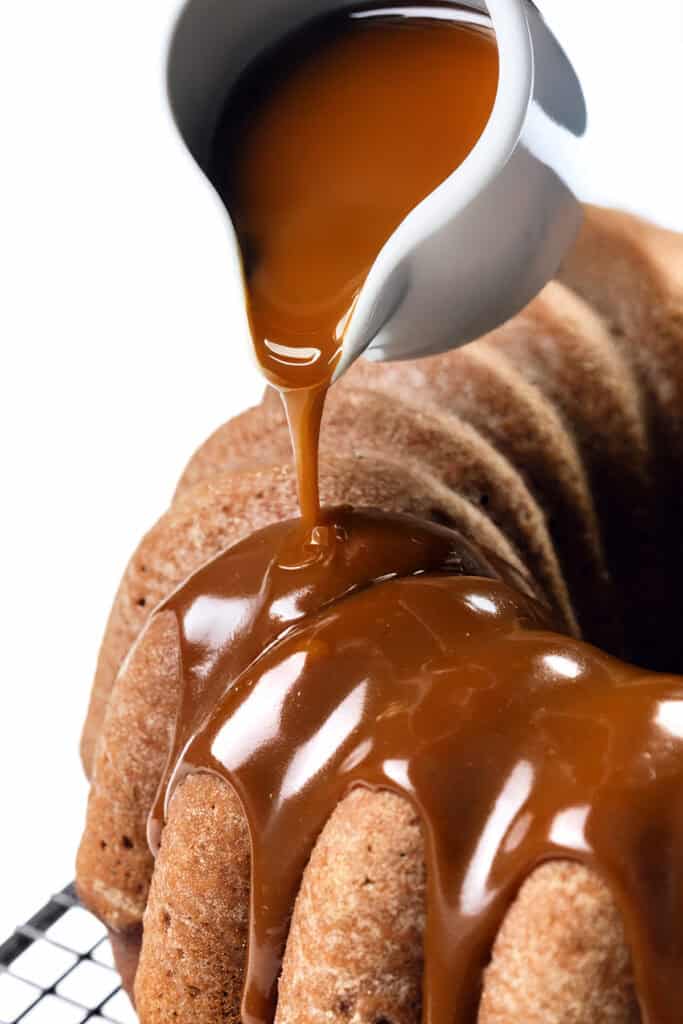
362	649
324	148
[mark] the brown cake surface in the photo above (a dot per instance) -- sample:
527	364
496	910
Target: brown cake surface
557	443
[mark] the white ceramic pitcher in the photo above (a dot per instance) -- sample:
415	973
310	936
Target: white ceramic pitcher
479	247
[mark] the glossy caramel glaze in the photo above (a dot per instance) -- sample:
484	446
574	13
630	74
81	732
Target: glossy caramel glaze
387	653
324	147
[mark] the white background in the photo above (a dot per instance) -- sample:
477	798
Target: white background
122	339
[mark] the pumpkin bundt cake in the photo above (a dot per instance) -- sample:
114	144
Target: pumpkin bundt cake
555	444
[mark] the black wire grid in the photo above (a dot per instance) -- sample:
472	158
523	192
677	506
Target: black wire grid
58	969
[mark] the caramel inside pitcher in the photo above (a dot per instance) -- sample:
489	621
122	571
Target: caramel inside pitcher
325	146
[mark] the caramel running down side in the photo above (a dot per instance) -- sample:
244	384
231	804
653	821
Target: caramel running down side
389	655
325	146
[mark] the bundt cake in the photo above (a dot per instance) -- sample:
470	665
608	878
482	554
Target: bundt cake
555	445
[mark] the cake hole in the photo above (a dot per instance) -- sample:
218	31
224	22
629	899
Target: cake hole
382	1020
142	601
103	845
344	1006
367	881
192	991
484	500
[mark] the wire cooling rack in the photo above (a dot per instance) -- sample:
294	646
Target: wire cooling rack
58	969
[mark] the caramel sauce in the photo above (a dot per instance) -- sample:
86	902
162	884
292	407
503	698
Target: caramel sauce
324	147
362	649
392	655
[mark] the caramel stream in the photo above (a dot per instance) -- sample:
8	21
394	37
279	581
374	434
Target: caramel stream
362	649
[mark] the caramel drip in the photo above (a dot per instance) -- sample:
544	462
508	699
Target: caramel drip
324	147
394	656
